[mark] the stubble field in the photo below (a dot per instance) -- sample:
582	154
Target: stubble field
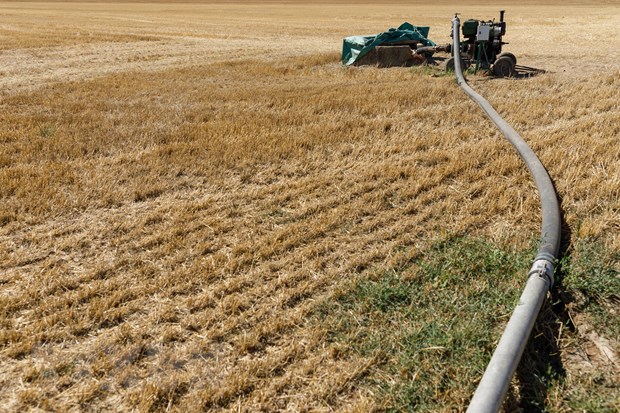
201	209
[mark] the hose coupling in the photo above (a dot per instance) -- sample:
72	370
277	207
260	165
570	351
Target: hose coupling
543	268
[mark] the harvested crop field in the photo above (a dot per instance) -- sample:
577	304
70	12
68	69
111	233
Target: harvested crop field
202	210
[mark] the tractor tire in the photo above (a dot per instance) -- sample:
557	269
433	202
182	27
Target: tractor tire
511	56
504	67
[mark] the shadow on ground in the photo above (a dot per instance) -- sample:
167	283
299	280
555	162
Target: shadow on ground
521	72
526	72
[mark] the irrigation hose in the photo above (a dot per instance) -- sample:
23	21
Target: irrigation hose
495	381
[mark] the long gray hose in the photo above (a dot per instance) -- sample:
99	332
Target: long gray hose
494	383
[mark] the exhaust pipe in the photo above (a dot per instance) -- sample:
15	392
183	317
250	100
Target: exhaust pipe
494	384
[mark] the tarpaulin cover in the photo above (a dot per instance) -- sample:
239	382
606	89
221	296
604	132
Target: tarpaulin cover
355	47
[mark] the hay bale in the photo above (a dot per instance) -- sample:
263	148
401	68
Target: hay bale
369	59
390	56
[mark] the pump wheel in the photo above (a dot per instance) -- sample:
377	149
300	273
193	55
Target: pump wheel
511	56
450	64
503	67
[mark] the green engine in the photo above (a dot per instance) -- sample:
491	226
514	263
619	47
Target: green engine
470	28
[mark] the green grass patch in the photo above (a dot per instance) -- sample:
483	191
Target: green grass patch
434	322
591	274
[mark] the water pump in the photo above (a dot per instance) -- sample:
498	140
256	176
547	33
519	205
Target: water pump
481	46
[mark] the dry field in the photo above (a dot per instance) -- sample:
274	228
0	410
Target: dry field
191	193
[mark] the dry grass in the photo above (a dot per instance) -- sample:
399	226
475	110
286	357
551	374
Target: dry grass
177	199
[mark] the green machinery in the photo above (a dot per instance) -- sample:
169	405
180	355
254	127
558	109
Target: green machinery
482	46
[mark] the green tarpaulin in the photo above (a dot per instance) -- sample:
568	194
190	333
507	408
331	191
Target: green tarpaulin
355	47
